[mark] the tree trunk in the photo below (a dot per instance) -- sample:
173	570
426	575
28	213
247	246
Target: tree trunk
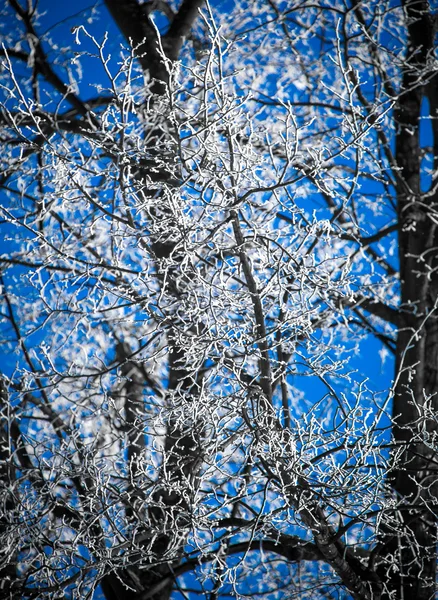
8	571
410	550
181	451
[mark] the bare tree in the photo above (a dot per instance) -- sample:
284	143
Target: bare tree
219	221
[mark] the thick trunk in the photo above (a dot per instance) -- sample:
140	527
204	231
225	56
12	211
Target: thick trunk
181	452
410	570
8	571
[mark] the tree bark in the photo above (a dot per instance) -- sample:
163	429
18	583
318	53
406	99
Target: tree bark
8	571
181	451
410	569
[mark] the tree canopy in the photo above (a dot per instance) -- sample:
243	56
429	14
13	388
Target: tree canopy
219	277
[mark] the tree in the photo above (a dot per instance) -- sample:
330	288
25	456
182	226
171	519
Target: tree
212	222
